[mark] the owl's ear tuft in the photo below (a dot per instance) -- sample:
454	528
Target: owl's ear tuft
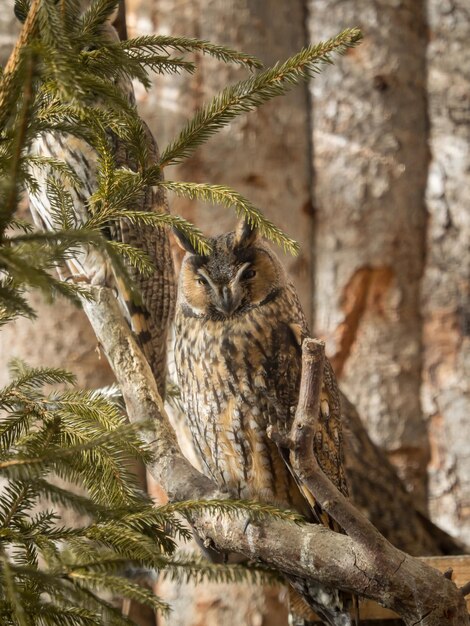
184	242
245	234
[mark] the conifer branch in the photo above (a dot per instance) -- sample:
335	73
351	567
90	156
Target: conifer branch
218	194
250	94
150	43
9	76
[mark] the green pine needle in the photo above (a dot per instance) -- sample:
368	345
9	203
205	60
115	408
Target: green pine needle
150	43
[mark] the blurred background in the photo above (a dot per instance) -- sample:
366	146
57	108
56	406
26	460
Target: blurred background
368	167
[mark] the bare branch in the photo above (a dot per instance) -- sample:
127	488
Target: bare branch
304	462
448	573
465	589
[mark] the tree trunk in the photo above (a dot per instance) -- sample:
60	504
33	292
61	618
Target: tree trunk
370	163
446	284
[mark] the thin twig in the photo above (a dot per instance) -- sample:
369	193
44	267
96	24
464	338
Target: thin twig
13	61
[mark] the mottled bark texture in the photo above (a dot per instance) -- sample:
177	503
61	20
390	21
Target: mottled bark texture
446	283
370	163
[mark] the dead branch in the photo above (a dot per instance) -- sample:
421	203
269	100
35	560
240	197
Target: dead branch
364	562
304	462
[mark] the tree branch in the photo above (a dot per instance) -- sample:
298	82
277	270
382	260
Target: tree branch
304	462
363	563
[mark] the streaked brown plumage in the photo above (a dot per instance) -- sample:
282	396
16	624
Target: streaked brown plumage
239	327
151	316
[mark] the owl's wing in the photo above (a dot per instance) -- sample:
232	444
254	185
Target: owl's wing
328	441
151	316
331	604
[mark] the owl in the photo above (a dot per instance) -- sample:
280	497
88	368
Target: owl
149	304
239	327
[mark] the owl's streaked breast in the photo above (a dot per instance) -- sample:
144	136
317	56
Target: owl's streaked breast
227	380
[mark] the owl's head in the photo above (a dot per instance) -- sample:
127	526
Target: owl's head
240	273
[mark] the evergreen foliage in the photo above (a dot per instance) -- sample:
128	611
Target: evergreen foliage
64	76
49	570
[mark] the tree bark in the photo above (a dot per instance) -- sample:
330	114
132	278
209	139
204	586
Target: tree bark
370	162
446	284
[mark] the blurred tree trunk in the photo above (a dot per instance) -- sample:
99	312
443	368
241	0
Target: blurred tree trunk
370	162
60	337
446	284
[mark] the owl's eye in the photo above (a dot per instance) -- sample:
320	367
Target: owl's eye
247	274
201	280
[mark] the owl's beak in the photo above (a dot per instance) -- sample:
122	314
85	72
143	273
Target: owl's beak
228	302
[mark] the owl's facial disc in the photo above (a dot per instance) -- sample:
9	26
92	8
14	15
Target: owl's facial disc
227	296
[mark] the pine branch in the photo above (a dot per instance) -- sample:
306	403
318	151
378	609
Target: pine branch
121	587
10	78
95	16
250	94
19	142
225	196
193	568
256	511
13	594
113	60
150	43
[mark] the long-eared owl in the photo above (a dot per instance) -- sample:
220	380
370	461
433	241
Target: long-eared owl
239	328
151	312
